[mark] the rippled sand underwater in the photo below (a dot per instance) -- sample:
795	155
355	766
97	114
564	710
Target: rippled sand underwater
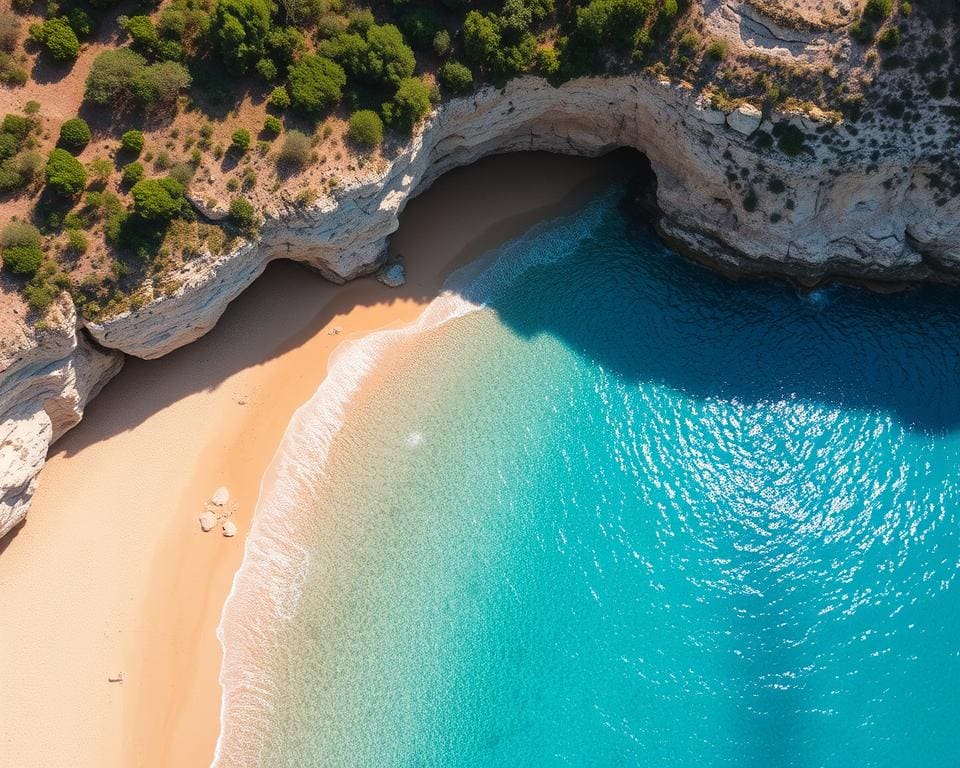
627	514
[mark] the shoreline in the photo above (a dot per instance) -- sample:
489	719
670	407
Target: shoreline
111	572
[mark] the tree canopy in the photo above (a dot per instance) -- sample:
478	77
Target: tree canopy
65	175
316	83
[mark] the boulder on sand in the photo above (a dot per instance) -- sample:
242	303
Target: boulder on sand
229	529
207	521
221	496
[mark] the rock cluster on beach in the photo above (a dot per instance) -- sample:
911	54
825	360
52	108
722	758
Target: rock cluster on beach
846	217
217	513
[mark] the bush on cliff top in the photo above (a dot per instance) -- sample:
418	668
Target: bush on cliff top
20	247
65	175
75	133
157	199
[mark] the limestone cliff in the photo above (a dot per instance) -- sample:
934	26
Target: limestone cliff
831	210
47	380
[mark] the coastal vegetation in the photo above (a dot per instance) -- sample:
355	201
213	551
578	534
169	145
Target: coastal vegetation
202	100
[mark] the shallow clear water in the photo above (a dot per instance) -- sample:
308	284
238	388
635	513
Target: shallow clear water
632	514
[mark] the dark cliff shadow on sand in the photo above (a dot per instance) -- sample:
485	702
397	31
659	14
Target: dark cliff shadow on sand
693	330
291	304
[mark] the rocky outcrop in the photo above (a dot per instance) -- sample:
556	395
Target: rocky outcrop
724	196
46	383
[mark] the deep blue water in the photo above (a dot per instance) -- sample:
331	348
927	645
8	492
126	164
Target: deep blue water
634	514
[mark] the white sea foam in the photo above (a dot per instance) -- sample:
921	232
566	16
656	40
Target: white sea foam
267	587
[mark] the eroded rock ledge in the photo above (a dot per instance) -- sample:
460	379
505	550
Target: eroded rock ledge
833	211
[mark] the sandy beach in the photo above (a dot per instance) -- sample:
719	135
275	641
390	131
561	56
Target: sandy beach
111	573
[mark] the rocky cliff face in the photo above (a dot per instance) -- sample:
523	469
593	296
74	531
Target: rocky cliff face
46	382
852	203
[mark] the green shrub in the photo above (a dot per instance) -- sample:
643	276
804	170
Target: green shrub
65	175
100	169
790	139
420	25
19	171
142	34
938	88
441	43
279	98
862	31
388	59
350	51
316	83
267	69
75	133
272	126
242	213
889	38
240	140
239	29
76	242
612	22
409	105
183	173
9	30
11	71
304	11
157	199
878	10
121	78
548	61
717	49
20	244
131	173
160	83
481	38
41	292
17	126
751	201
80	22
776	185
366	129
58	38
296	149
111	75
360	20
455	77
689	42
132	142
330	25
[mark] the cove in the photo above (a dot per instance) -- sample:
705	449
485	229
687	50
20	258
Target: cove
611	509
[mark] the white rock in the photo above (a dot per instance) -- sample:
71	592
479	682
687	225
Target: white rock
707	113
214	212
393	275
229	529
46	379
207	521
221	496
745	119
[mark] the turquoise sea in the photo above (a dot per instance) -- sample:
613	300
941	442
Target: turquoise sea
604	508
